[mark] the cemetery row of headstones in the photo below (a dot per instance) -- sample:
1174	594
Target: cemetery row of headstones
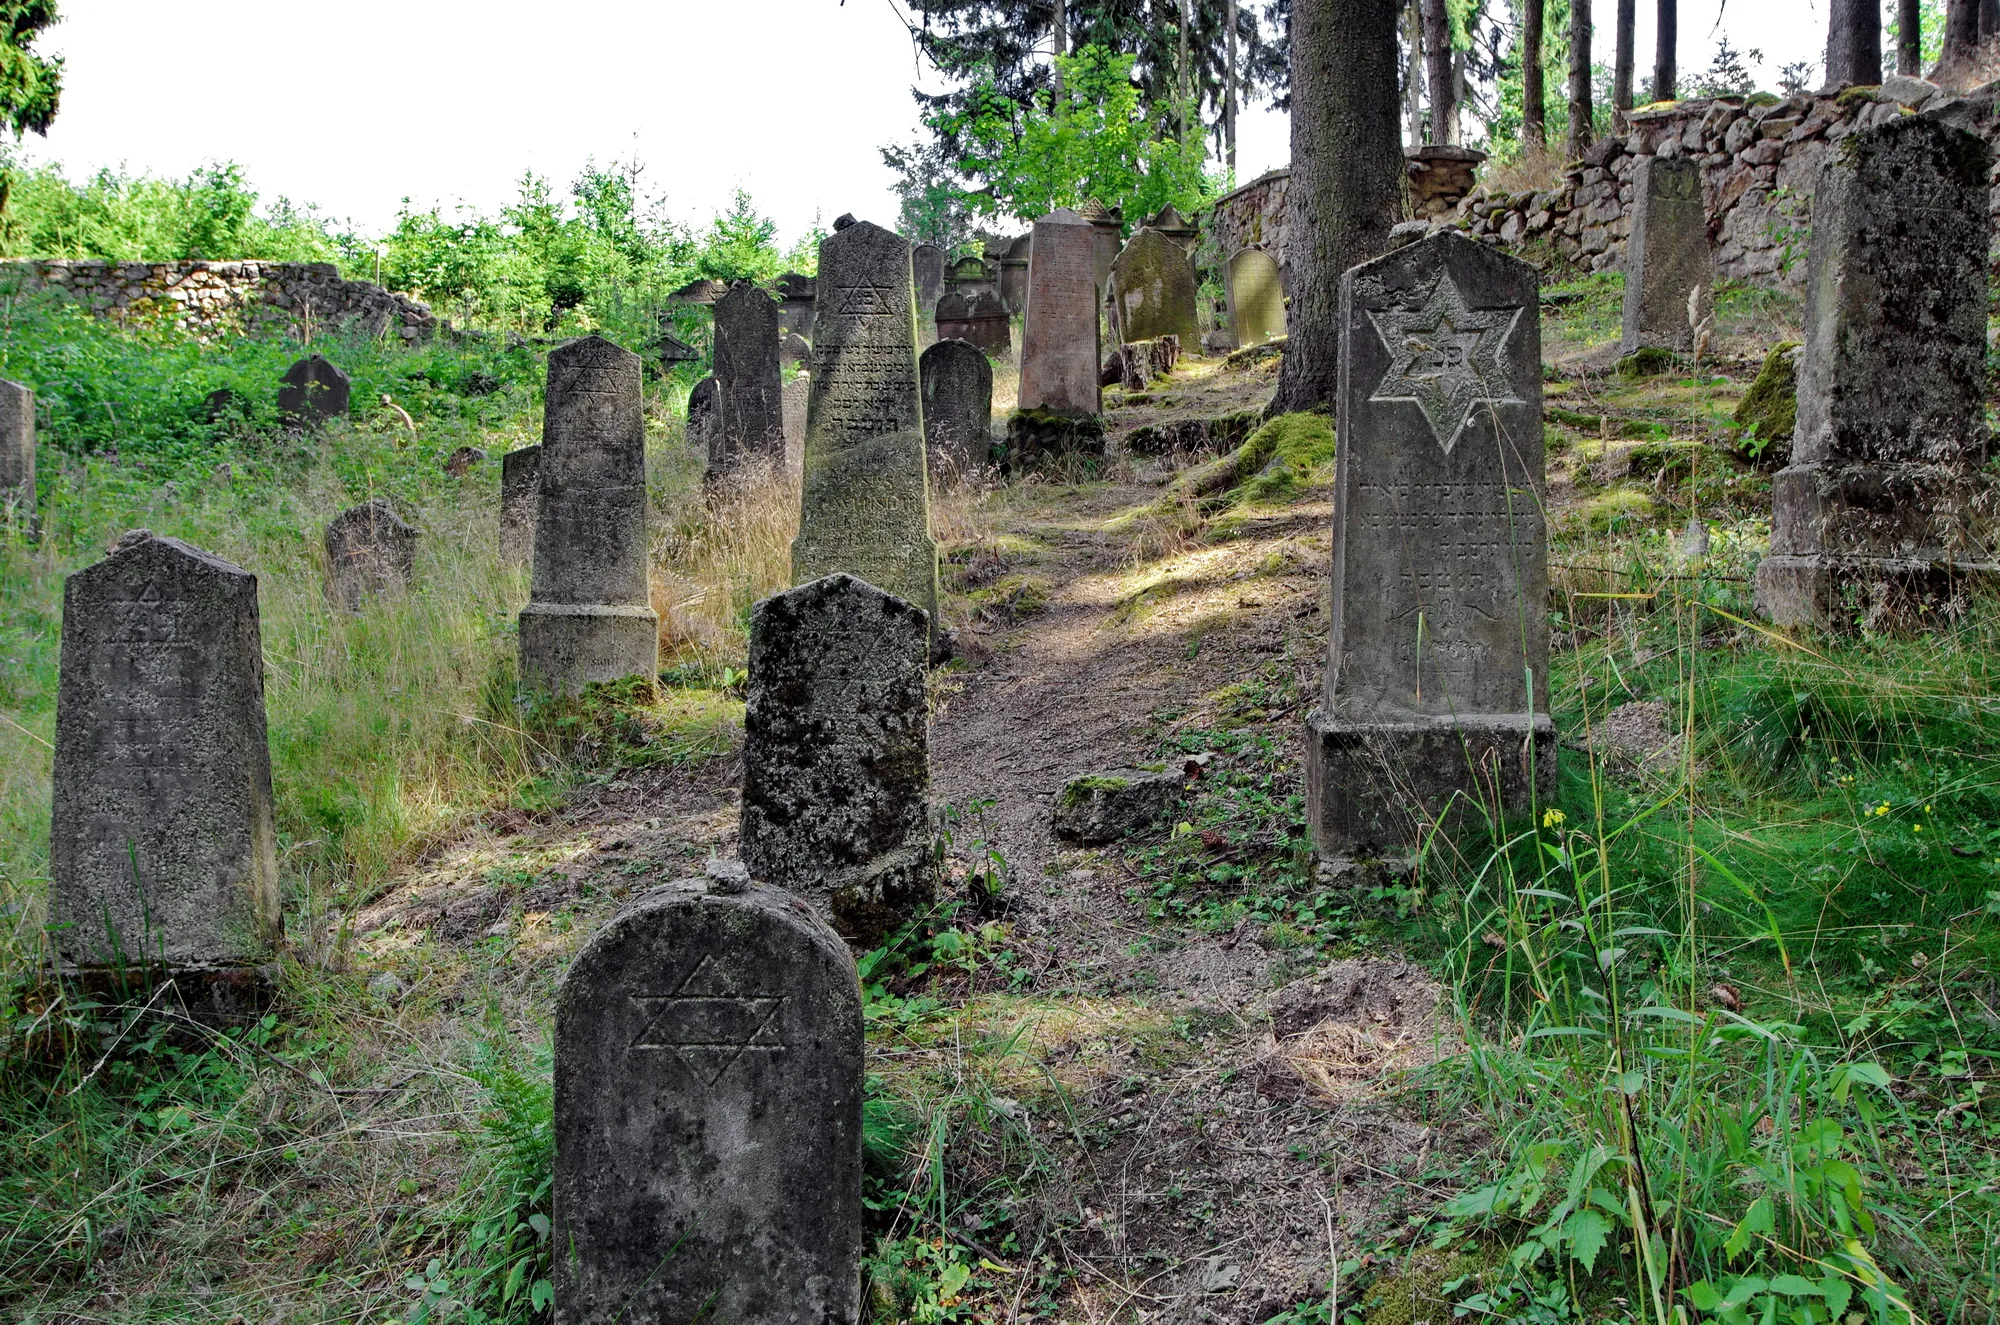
709	1053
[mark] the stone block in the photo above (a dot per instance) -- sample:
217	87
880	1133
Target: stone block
520	494
17	453
1098	808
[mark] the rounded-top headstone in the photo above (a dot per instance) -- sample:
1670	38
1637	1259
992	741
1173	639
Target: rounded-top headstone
750	419
708	1085
161	847
1255	290
312	391
370	552
1154	290
958	408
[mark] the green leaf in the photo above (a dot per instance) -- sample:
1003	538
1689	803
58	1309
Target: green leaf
1702	1293
1793	1286
1586	1231
953	1279
514	1277
540	1223
1837	1293
1742	1291
1758	1219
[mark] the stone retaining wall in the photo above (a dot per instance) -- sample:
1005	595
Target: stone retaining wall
261	298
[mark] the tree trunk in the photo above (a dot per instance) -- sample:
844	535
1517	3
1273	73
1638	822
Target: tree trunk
1061	42
1910	38
1580	126
1854	43
1229	100
1534	126
1622	57
1961	41
1413	73
1347	179
1666	37
1185	20
1437	63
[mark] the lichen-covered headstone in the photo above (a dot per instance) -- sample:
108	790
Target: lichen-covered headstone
161	846
958	409
795	353
1440	563
590	617
750	404
520	494
1885	508
836	752
17	452
1014	276
863	507
1153	289
1256	299
1060	359
708	1087
969	276
370	553
312	391
1667	258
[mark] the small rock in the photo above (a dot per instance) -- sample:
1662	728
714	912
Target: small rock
726	876
386	988
1096	808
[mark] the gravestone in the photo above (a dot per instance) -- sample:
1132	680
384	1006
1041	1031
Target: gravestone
1169	222
463	460
980	320
927	270
312	391
1153	289
795	304
863	506
589	615
1014	276
370	553
1107	228
702	290
17	452
1884	508
1060	358
958	409
701	417
161	848
795	352
1667	257
520	493
1256	299
798	398
836	761
1440	565
671	349
708	1086
750	403
969	276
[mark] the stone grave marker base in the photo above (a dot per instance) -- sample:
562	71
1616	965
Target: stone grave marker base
565	647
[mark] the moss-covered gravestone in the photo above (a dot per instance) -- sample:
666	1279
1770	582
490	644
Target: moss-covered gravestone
1153	290
863	508
520	494
161	847
1768	414
17	452
590	615
1885	509
1440	578
370	553
1256	299
1669	274
836	752
708	1085
958	408
749	396
312	391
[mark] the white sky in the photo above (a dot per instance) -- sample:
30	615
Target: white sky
356	105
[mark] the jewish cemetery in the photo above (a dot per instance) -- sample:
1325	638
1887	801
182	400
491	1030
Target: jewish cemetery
1223	664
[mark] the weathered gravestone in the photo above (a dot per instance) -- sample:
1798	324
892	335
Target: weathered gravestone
1059	343
795	352
1256	298
796	295
750	402
981	320
1440	578
312	391
863	507
702	418
1014	276
463	460
370	553
927	266
589	615
17	452
1169	222
708	1085
1884	508
836	752
798	398
958	408
969	276
520	494
670	349
1667	257
1153	289
1107	227
161	847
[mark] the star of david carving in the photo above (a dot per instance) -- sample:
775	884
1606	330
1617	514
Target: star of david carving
1445	358
710	1027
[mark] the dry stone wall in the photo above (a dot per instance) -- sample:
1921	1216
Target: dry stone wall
213	297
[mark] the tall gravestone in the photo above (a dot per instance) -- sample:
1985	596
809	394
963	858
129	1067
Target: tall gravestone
1884	506
161	846
863	505
958	408
1014	276
17	451
927	264
708	1087
370	553
1440	564
589	615
836	762
1667	257
1153	290
520	495
1060	354
750	390
312	391
1256	298
1107	228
